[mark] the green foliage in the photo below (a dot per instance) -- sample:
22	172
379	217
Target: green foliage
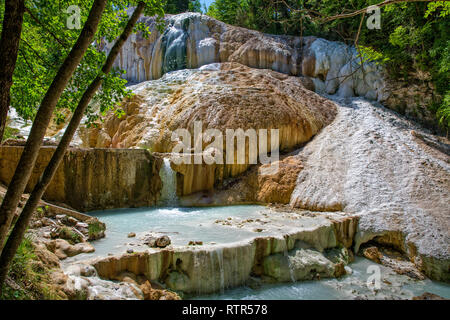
179	6
70	235
443	112
10	133
95	229
369	54
435	6
45	42
229	11
29	277
195	6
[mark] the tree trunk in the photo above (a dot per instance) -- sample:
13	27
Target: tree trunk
9	44
21	225
43	116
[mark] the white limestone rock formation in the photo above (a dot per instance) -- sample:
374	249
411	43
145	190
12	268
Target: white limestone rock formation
373	163
191	40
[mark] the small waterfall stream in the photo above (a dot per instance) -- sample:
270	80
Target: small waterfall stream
219	253
169	180
289	261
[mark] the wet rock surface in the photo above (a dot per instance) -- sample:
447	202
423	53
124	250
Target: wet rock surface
299	264
227	96
92	179
367	162
428	296
156	241
201	268
192	40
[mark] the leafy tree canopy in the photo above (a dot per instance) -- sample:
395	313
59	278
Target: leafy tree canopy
179	6
45	42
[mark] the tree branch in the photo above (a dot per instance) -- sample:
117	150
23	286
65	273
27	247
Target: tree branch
44	27
357	12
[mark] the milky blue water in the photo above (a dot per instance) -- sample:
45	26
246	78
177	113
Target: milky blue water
348	287
185	224
180	224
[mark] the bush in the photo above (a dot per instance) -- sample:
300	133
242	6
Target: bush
96	229
27	277
70	235
10	133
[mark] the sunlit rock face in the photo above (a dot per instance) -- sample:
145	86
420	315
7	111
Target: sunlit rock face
260	184
191	40
394	174
221	96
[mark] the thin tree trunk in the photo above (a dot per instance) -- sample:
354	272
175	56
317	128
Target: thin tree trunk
43	116
9	47
20	227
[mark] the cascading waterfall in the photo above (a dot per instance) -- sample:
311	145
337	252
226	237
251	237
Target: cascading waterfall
290	265
169	180
219	253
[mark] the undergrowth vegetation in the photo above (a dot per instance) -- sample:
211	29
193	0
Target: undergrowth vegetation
28	278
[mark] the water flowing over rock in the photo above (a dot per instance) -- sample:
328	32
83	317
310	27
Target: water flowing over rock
208	268
370	162
169	188
191	40
221	96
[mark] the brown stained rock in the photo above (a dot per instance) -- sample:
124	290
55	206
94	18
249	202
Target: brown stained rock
46	256
147	290
428	296
126	277
58	277
156	294
93	179
276	184
69	221
373	254
63	249
345	229
402	266
256	99
163	241
262	184
150	241
112	266
339	270
195	243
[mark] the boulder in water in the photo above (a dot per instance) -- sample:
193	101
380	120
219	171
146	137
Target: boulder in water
163	241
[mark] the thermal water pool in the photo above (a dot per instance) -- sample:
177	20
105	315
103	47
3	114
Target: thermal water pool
200	224
180	224
392	286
